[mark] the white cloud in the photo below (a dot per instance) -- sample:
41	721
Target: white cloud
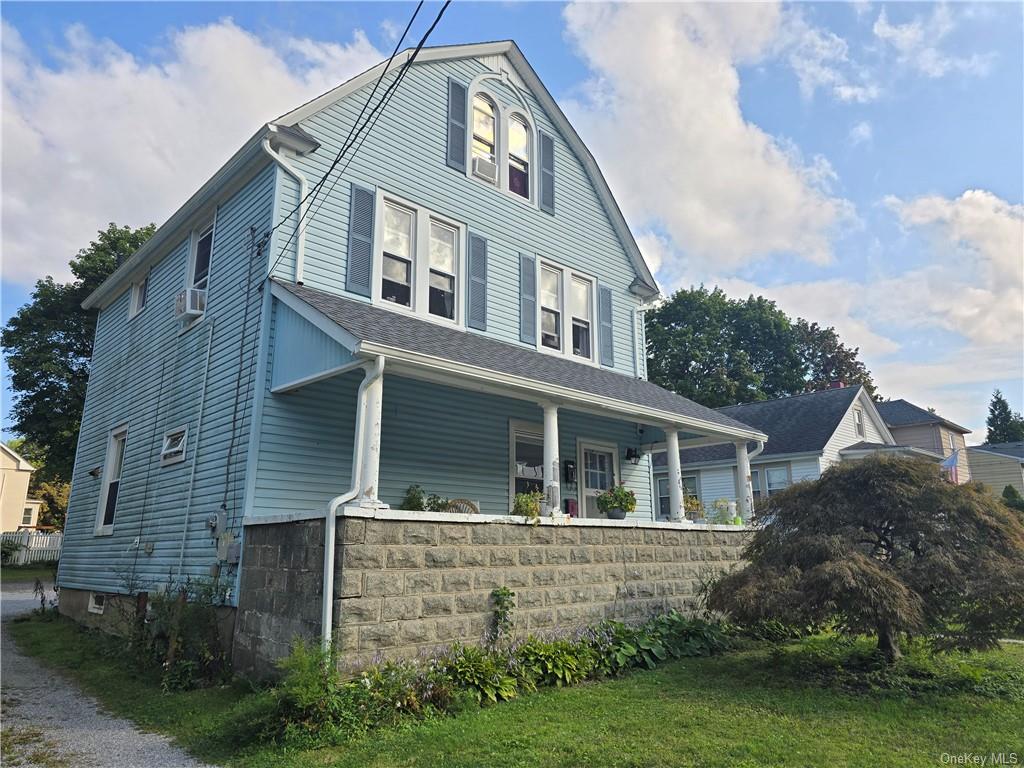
662	114
917	45
390	30
820	59
103	135
861	133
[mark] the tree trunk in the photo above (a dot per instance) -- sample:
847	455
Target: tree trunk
888	643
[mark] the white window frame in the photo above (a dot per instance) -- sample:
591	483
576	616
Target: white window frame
119	431
952	441
208	227
140	291
503	114
789	477
664	479
27	512
568	273
499	125
420	293
531	148
97	605
168	457
858	423
756	491
582	446
517	428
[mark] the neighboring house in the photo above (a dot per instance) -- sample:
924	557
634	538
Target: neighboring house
913	425
463	313
998	465
806	434
18	511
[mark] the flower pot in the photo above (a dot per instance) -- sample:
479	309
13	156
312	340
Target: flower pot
617	514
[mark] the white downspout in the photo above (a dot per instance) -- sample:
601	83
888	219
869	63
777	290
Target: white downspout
756	451
300	236
373	372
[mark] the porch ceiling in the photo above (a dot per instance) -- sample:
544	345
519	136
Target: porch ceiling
466	359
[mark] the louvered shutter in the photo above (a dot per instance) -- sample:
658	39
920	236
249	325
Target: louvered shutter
359	269
457	109
604	312
546	198
476	286
527	299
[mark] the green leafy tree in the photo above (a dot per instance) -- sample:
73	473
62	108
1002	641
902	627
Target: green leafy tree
721	351
1013	499
826	359
48	344
884	547
1004	425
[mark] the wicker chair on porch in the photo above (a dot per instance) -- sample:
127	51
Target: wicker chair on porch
465	506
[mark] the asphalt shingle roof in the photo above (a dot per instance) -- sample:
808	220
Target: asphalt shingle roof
1015	449
900	413
795	424
397	329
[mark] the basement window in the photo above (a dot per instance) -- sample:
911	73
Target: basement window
97	602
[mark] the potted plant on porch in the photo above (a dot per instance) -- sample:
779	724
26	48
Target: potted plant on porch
617	502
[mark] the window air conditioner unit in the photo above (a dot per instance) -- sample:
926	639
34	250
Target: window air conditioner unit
485	169
190	303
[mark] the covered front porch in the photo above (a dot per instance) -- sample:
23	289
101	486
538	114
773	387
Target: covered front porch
386	419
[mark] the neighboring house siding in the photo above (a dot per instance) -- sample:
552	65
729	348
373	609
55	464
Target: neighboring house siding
405	155
147	374
996	471
924	436
846	433
14	484
716	483
804	469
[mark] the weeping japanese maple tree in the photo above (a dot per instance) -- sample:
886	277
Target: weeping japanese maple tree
884	547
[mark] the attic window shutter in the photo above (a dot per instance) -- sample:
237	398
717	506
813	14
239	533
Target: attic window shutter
457	109
546	198
476	286
527	299
360	240
604	311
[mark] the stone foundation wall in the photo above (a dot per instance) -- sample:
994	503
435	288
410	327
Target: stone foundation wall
406	583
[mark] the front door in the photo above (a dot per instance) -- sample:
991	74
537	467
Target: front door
599	463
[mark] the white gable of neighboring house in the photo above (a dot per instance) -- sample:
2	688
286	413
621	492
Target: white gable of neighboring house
846	433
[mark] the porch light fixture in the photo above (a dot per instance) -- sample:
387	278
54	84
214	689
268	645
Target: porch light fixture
633	455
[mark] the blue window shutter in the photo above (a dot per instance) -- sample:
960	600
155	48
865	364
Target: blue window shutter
604	315
527	299
457	115
546	198
360	240
476	286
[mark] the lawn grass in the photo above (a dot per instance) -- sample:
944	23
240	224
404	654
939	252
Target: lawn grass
45	572
731	710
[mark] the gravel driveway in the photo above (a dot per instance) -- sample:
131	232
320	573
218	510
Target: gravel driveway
49	722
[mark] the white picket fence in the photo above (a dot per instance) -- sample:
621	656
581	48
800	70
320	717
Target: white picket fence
34	547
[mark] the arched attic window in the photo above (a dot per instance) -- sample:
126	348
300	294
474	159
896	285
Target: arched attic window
485	139
519	156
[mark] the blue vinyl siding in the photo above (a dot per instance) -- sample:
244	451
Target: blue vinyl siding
149	375
301	349
405	155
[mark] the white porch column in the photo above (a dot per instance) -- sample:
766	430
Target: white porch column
744	493
675	477
552	471
372	416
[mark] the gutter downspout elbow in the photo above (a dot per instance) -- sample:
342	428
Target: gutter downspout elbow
373	371
300	236
756	451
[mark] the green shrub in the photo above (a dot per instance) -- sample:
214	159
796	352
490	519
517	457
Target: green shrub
555	662
8	549
484	673
415	499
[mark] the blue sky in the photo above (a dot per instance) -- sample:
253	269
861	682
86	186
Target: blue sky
860	163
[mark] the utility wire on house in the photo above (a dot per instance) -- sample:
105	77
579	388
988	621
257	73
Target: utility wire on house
359	132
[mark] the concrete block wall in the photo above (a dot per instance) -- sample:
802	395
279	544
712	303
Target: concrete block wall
408	583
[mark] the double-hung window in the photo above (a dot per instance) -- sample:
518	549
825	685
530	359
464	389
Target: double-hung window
518	157
443	256
112	469
582	306
26	517
200	278
858	421
485	137
419	260
778	479
755	484
551	307
397	264
138	296
664	499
